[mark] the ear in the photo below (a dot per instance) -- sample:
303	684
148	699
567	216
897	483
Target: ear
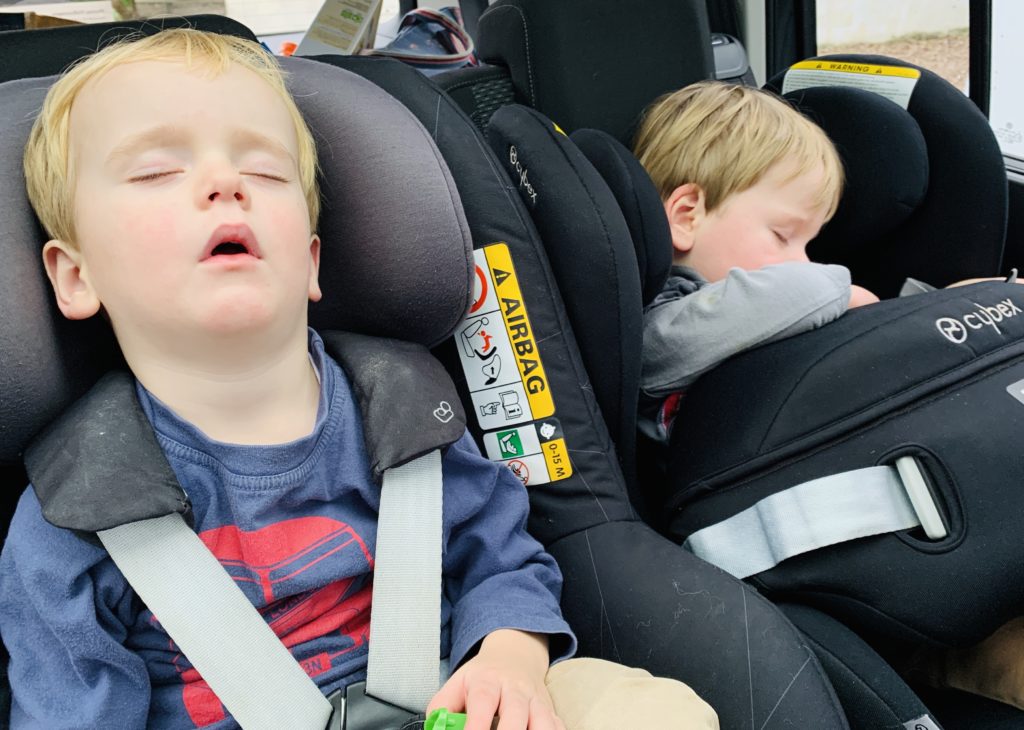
314	269
685	210
65	266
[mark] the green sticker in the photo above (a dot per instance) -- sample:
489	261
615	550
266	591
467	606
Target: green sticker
510	444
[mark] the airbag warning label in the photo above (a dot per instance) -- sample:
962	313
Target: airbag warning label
536	453
496	344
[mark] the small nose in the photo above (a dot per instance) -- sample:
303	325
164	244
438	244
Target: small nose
224	185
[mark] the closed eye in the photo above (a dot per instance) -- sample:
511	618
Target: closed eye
149	176
781	238
268	176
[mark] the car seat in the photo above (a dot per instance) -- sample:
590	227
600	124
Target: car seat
980	258
685	619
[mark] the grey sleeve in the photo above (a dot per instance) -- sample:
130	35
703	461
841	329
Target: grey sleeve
687	336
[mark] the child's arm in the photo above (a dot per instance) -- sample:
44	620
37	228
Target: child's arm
686	336
503	590
64	612
506	676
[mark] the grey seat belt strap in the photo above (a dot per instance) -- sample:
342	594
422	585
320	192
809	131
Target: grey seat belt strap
405	625
215	625
818	513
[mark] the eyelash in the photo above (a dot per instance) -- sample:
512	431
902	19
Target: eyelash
780	237
148	177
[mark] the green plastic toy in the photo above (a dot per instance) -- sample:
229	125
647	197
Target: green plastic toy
441	719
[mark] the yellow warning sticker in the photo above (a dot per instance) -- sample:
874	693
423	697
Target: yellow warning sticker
499	353
520	334
858	68
895	83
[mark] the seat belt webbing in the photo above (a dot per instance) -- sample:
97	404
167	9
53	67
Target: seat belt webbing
214	624
405	624
818	513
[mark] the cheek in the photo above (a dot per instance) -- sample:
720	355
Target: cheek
148	232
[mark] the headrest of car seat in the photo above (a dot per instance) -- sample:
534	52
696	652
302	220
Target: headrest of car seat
938	241
885	161
597	64
396	256
591	253
640	204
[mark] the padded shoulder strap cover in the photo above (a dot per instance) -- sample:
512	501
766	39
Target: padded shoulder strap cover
99	465
409	403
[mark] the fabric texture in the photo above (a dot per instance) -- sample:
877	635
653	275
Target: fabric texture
693	325
593	694
295	525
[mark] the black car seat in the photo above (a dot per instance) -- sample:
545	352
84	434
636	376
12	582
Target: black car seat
903	166
935	256
679	617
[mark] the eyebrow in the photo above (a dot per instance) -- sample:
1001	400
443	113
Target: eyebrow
168	134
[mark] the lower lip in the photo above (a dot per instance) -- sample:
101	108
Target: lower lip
232	260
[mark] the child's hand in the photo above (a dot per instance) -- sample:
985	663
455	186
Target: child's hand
859	296
505	678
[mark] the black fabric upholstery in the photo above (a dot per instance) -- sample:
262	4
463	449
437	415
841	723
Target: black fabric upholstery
884	183
957	231
479	90
366	189
48	51
639	202
597	64
872	693
577	214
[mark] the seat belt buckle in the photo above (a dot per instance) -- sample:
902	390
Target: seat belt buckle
921	498
354	709
337	719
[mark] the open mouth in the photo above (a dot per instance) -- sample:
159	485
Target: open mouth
229	248
230	240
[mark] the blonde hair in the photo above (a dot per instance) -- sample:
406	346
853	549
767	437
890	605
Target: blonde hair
724	138
48	173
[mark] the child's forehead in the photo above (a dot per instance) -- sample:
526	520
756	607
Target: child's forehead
172	86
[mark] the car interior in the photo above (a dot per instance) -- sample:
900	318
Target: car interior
533	146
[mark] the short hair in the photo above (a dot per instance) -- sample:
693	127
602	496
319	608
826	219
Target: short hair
724	138
48	174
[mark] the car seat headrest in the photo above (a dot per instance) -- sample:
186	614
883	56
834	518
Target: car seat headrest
884	182
578	63
640	203
396	255
965	199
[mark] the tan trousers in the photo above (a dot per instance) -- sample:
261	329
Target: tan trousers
592	694
994	668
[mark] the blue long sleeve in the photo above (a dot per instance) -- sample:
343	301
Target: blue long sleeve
66	612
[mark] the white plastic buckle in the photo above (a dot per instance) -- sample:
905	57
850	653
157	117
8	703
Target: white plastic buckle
921	497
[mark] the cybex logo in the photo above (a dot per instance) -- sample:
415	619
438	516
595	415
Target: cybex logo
524	182
958	330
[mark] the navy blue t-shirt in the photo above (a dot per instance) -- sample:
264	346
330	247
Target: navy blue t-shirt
295	526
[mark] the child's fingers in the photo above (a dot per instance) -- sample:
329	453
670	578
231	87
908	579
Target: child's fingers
515	712
482	698
452	696
542	716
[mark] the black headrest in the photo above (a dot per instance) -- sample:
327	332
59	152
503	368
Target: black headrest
50	50
599	63
591	254
396	256
886	228
640	204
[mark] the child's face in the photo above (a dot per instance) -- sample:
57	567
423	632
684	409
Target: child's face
768	223
171	166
